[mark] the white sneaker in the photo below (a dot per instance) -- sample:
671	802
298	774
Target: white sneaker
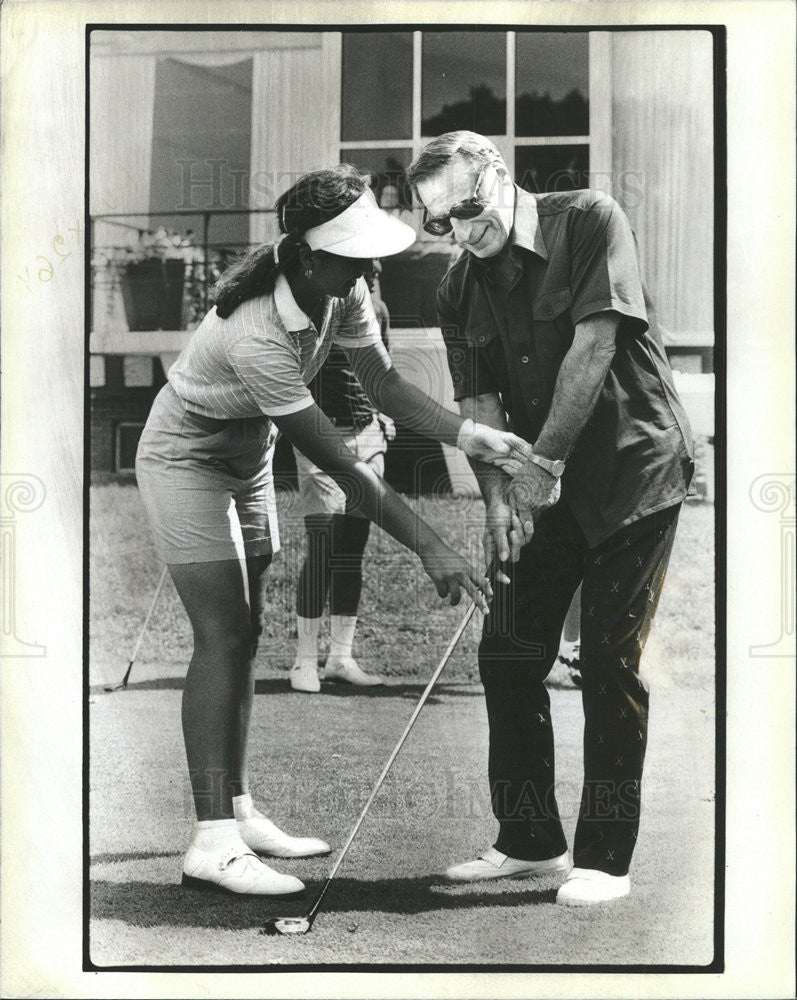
238	871
303	676
492	864
265	837
586	886
347	669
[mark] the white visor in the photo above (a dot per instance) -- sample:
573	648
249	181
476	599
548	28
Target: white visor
361	230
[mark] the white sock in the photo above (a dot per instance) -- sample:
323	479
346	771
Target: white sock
307	633
216	834
567	650
341	635
243	807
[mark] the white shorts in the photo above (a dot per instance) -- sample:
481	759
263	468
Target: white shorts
318	492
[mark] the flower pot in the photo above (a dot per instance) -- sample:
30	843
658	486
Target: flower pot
152	292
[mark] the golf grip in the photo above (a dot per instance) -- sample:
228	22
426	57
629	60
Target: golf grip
440	667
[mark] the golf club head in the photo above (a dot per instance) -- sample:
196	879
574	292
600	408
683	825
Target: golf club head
287	925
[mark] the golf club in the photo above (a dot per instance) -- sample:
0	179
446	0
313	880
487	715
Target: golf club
123	683
301	925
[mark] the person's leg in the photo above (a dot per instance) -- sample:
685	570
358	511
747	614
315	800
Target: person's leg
257	830
311	596
518	647
572	626
256	567
349	538
215	598
622	583
570	643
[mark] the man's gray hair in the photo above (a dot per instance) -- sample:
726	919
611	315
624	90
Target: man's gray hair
440	151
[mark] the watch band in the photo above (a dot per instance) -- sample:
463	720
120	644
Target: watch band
554	466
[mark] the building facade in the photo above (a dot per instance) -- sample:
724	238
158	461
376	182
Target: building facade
195	133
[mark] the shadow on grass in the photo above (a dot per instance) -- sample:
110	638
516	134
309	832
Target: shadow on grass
334	689
119	857
146	904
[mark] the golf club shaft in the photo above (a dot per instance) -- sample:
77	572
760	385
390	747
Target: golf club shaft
155	597
440	667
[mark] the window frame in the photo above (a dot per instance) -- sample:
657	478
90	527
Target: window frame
600	112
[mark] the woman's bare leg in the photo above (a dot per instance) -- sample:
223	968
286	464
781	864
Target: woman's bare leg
256	567
215	595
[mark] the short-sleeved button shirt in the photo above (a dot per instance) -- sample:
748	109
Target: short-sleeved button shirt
261	359
508	322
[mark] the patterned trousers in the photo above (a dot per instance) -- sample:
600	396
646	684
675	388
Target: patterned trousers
622	580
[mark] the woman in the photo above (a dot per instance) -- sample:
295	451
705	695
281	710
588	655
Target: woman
204	471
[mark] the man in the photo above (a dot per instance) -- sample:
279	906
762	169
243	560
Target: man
546	323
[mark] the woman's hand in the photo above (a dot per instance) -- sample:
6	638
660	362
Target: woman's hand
500	448
451	574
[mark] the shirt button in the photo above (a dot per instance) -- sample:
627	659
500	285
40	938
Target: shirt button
535	402
525	359
481	339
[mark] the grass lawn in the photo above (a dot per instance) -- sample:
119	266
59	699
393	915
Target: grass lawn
316	758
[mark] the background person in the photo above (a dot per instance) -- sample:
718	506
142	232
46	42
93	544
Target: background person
335	538
204	472
546	321
569	654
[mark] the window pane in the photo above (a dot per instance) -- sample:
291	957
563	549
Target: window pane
463	82
377	85
552	83
387	168
96	371
127	436
137	370
552	168
201	137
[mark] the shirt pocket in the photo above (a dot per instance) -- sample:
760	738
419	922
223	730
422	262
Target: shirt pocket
480	333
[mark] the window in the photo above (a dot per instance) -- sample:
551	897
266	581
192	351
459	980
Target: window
377	85
127	435
137	371
463	82
201	145
528	91
96	371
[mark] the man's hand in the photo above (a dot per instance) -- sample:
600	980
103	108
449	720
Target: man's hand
506	451
504	535
530	492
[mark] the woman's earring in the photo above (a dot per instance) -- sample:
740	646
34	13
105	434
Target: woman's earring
308	271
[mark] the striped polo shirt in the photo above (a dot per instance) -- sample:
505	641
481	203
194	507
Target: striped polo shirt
261	359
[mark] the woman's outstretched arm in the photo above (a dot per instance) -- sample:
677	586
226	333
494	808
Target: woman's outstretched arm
317	438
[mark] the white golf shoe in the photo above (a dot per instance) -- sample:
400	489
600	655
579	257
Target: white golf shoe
265	837
348	670
587	886
304	677
492	864
238	871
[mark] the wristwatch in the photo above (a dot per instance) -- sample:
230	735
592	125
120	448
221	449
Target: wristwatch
554	466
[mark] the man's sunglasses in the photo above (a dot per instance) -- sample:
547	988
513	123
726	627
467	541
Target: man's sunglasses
470	208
